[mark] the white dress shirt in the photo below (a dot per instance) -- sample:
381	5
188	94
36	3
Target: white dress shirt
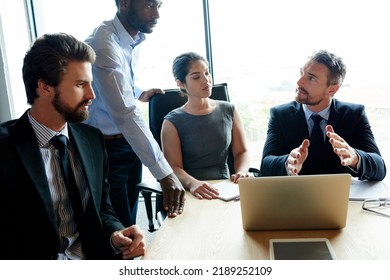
114	110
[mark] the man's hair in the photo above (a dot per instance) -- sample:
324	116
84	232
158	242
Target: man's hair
48	59
336	66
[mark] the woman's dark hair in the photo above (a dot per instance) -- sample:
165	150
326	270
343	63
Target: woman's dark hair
181	65
48	58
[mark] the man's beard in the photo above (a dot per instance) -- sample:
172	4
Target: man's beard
71	115
134	21
306	100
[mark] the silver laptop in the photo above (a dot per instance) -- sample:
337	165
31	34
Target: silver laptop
294	202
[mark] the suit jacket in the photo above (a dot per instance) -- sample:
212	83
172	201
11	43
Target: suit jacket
29	224
287	129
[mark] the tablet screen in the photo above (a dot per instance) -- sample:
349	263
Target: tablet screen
301	249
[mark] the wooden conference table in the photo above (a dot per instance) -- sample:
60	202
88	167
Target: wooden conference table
212	230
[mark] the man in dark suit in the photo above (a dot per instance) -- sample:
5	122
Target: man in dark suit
346	144
37	211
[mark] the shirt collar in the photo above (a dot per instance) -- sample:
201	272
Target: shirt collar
43	133
124	36
324	113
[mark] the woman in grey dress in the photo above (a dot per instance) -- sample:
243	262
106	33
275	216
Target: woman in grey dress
196	137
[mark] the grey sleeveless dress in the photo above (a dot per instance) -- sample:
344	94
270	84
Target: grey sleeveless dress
205	140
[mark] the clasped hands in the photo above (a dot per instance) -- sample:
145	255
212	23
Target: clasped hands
129	242
347	154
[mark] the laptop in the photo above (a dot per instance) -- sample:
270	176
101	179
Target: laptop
294	202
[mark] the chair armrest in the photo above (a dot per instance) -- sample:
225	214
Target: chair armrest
150	185
255	171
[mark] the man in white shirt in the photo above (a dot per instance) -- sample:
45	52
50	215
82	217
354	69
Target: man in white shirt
129	141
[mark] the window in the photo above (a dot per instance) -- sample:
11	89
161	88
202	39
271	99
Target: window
76	17
14	41
259	48
175	33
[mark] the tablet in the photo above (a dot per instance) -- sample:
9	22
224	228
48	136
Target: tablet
301	249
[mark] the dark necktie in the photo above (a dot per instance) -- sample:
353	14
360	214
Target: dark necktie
59	142
317	141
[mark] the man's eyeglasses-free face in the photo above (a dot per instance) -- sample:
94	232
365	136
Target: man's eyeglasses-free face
376	205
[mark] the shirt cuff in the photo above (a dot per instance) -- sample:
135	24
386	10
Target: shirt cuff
359	164
161	169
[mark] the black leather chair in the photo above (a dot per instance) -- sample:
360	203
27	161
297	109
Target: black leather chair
159	106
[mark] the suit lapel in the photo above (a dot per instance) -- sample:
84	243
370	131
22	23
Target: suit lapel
299	124
86	155
334	116
31	158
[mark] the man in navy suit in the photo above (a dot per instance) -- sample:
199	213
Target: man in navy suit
38	216
349	145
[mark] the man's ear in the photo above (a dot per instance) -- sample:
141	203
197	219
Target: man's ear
333	89
123	3
44	88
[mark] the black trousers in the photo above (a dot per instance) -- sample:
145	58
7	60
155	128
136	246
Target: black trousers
125	172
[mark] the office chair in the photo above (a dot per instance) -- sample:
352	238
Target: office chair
159	106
